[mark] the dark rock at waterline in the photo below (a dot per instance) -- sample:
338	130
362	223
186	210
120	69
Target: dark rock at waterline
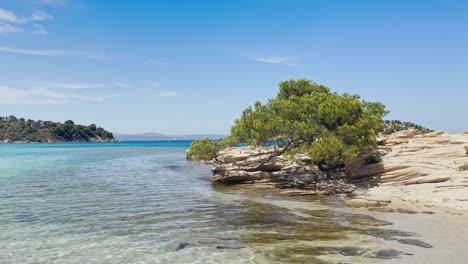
174	167
248	165
415	242
405	211
366	220
386	234
381	209
387	254
350	251
344	251
228	247
427	212
182	246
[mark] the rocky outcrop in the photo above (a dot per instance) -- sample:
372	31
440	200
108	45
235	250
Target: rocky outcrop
411	158
239	176
261	165
415	168
358	169
421	169
245	164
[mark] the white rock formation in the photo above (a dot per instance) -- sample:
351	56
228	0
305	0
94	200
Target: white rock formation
424	169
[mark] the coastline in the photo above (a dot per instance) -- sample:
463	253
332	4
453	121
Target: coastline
58	142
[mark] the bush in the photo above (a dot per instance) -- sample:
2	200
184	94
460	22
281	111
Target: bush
308	117
373	158
305	117
202	149
207	149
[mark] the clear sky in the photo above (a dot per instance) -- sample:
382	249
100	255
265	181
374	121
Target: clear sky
180	67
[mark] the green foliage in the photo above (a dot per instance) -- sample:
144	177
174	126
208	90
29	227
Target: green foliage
307	116
393	126
300	88
206	149
13	129
463	167
373	158
202	149
330	150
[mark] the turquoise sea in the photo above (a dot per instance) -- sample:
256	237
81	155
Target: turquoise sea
143	202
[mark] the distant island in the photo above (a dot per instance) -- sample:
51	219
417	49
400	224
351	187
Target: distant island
157	136
20	130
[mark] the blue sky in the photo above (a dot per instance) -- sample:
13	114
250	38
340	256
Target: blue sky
181	67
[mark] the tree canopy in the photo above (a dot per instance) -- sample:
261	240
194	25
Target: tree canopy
308	117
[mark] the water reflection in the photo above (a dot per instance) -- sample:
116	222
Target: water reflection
308	235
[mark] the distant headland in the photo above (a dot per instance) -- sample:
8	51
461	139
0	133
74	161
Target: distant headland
20	130
156	137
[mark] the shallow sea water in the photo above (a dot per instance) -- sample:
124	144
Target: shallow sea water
142	202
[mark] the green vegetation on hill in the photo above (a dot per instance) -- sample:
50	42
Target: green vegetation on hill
14	129
307	117
392	126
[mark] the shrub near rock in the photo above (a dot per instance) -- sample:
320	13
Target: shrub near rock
207	149
299	139
202	149
307	117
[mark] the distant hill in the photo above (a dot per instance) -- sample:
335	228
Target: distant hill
19	130
157	136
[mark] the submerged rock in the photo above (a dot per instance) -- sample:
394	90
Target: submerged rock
182	246
387	254
414	242
427	212
405	211
381	209
239	176
297	193
365	203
